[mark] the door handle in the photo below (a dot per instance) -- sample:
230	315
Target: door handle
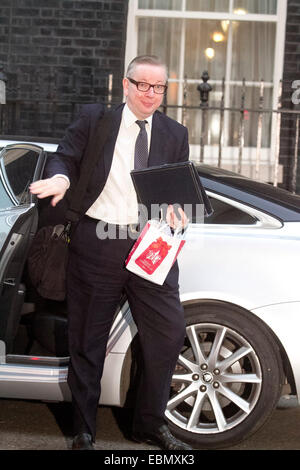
10	281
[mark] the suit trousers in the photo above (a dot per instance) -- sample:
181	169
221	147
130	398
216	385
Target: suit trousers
96	280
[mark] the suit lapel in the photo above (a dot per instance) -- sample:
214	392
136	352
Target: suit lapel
109	147
159	138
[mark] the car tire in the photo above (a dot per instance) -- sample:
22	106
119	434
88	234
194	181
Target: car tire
228	378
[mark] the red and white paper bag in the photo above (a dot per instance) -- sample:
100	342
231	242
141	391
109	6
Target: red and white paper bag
154	252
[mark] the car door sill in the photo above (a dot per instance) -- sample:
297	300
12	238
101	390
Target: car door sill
37	360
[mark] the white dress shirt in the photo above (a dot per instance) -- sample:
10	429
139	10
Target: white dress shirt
117	203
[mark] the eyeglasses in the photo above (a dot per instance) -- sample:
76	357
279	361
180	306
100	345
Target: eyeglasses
143	86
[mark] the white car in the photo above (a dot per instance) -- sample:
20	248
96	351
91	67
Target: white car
238	285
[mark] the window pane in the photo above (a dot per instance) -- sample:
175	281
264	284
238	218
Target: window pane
5	202
250	120
226	214
207	5
172	100
18	166
253	51
212	124
170	103
161	37
256	6
172	93
212	117
160	4
205	49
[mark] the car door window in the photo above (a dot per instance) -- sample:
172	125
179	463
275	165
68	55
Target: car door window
17	171
5	200
224	213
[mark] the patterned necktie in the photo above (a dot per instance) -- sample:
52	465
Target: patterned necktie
141	147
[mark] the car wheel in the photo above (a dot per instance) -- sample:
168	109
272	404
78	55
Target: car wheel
228	377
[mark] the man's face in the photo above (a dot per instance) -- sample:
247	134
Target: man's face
141	103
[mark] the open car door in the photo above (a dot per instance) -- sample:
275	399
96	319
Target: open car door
20	164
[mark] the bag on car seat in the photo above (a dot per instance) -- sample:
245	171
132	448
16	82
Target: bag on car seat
47	261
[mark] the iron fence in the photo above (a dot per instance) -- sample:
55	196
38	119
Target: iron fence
284	131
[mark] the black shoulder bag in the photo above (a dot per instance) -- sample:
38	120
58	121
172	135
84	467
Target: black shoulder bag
48	254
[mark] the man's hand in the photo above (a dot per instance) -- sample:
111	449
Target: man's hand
55	187
173	221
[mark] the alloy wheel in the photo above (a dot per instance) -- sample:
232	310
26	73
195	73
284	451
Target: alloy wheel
217	381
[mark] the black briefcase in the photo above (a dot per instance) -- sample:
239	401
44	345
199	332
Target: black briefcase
176	183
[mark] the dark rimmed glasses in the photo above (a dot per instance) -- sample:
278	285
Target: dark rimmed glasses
143	86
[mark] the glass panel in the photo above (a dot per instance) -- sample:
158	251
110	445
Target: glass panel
255	6
5	201
161	37
211	126
250	118
172	99
172	93
226	214
253	51
160	4
212	117
207	5
18	167
205	49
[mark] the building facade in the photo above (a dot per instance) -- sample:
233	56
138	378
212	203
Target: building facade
62	53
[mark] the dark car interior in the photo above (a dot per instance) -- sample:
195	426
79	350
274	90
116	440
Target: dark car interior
43	324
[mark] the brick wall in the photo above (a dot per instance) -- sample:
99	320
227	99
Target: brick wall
59	52
291	74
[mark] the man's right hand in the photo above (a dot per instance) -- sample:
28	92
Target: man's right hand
55	187
173	221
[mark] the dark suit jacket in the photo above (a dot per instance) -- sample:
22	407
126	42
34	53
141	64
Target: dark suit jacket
169	144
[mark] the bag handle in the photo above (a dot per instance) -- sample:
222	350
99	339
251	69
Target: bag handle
87	166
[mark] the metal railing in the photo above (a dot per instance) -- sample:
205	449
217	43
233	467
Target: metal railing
289	163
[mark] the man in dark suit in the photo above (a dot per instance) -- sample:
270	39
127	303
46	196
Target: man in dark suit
97	276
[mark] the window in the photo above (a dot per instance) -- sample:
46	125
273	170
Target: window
231	39
17	171
5	202
226	214
161	5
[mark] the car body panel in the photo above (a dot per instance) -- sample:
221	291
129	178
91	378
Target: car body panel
282	319
252	275
34	382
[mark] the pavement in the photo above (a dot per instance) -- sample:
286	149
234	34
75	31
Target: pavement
33	425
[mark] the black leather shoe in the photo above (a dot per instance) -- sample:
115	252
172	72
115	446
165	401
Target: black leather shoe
163	438
83	441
